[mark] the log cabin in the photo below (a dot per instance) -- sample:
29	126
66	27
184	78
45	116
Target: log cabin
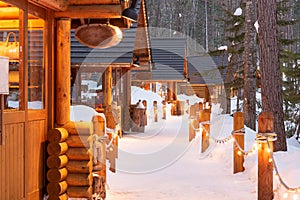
206	76
169	68
38	99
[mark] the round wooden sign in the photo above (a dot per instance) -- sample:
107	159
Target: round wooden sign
99	36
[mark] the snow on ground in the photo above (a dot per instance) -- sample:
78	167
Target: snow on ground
161	164
140	94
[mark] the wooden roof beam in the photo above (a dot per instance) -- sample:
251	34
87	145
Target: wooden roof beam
93	2
12	13
57	5
94	11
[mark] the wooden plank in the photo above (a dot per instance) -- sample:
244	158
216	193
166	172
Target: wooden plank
91	11
59	5
35	155
12	162
63	71
14	117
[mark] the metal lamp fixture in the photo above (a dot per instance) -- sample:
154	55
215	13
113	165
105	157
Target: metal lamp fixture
135	61
130	13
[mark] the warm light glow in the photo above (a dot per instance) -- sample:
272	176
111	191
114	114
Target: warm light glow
268	150
270	160
239	153
295	196
285	195
277	176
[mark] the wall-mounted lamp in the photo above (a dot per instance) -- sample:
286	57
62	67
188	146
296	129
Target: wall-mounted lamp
130	13
136	61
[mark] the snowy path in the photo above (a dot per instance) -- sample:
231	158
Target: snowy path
161	164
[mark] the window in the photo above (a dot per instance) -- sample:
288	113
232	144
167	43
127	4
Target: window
9	42
36	69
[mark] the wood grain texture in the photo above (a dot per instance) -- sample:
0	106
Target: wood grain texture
238	160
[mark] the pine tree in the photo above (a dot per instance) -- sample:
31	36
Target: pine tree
289	66
235	34
250	56
270	69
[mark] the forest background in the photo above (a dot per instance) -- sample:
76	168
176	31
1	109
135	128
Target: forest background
214	24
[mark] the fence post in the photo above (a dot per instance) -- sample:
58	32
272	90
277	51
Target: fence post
155	111
192	120
238	158
265	165
205	117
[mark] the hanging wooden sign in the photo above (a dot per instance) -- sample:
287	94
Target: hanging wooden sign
99	36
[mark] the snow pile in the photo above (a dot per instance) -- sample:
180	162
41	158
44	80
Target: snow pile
138	93
192	98
238	12
221	48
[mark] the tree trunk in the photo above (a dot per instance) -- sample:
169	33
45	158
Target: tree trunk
250	67
270	69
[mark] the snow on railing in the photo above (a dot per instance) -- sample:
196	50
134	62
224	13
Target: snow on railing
261	138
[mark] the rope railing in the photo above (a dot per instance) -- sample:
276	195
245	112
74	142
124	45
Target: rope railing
261	139
279	177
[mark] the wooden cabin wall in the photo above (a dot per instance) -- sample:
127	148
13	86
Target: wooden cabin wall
12	174
23	154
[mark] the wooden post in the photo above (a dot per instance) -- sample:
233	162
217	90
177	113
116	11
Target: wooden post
192	120
63	71
205	117
238	158
155	111
265	167
98	129
107	83
170	92
112	152
164	107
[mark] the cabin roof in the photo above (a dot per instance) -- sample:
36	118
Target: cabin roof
168	60
207	69
122	53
